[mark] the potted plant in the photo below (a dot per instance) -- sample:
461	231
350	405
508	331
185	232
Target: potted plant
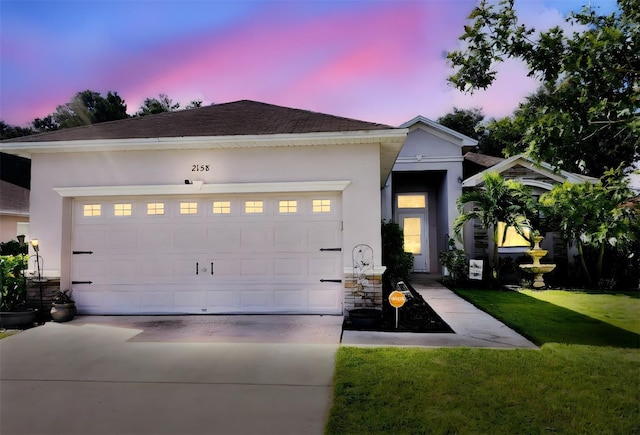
13	311
63	308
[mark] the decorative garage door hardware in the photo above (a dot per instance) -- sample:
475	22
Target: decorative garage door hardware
330	280
330	249
81	282
204	269
82	252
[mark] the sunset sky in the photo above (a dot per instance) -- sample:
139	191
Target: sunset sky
379	61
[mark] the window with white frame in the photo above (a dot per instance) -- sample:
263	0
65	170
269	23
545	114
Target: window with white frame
321	206
288	206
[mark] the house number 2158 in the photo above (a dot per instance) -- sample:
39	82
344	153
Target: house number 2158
199	168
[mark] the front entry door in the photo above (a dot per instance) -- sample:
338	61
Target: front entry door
415	238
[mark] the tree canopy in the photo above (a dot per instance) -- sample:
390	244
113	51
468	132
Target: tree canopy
162	104
89	107
586	114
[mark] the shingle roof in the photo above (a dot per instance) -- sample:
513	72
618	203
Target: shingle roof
243	117
13	199
482	159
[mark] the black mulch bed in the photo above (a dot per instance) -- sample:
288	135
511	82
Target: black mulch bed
415	316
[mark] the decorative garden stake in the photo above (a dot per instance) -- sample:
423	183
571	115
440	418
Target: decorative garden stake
397	300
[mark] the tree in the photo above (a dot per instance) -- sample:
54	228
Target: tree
594	215
589	96
465	121
89	107
193	104
10	131
162	104
498	200
43	125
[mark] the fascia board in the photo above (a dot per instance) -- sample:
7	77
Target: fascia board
206	142
440	130
199	188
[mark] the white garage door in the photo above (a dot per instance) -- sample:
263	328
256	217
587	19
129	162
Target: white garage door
216	254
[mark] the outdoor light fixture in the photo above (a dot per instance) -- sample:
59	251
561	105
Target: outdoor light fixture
188	182
21	240
40	279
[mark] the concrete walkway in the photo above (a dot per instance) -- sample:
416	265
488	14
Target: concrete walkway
472	327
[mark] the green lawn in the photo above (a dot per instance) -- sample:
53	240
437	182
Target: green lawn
584	379
544	322
565	389
6	334
621	310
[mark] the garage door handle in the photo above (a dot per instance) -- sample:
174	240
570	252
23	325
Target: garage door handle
330	280
212	268
330	249
81	282
197	267
82	252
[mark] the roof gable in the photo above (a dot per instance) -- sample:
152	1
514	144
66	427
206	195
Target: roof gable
540	174
439	130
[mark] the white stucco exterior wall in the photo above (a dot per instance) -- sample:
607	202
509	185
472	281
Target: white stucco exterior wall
358	163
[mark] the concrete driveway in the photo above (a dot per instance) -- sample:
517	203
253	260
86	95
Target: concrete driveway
89	378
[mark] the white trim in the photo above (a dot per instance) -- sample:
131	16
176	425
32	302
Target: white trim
543	168
377	271
462	139
207	142
198	187
428	159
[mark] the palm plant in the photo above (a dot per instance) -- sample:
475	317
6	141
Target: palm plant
498	200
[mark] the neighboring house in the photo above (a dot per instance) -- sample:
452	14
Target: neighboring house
15	174
541	177
421	193
240	207
14	211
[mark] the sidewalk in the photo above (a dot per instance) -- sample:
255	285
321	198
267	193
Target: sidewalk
473	327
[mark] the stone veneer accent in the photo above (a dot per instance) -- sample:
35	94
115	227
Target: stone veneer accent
375	289
49	287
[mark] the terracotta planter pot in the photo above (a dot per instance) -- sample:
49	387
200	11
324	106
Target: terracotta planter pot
63	312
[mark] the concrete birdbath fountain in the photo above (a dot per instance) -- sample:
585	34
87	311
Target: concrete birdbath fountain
536	268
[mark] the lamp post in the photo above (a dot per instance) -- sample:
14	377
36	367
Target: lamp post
36	247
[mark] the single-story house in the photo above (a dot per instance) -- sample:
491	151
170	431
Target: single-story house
242	207
541	177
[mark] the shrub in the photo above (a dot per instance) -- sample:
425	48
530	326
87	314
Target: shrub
456	261
12	288
399	263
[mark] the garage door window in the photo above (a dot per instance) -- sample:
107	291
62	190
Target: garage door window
91	210
221	207
188	208
253	207
321	206
122	209
288	207
155	208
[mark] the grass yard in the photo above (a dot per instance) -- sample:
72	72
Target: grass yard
584	379
6	334
559	389
544	322
621	310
